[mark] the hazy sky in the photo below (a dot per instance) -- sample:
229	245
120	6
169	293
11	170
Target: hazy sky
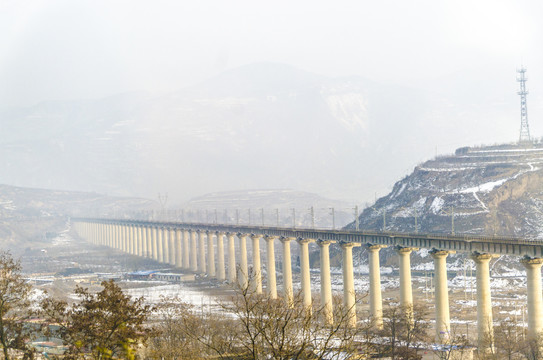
54	49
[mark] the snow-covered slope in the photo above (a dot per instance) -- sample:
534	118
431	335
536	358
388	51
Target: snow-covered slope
487	190
478	190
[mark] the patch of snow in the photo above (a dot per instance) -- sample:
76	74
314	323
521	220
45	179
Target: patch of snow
468	303
505	150
486	187
479	200
350	109
154	294
424	252
447	169
489	186
437	204
419	204
429	266
402	188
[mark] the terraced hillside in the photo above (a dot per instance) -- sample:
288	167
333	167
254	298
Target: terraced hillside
480	190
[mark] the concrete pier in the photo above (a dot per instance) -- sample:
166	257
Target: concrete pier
271	288
231	259
535	301
165	246
406	291
128	239
178	249
193	251
155	244
160	244
485	330
131	240
140	240
257	268
201	252
326	283
243	275
287	270
376	302
210	254
172	247
124	237
186	251
349	296
220	256
150	243
443	322
304	269
145	235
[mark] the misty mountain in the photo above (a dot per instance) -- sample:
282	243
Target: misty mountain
30	217
279	207
260	126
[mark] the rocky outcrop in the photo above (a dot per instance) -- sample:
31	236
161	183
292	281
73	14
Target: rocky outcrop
493	190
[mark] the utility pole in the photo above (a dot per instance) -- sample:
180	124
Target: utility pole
162	200
333	213
451	212
356	220
312	213
384	220
452	220
416	225
495	221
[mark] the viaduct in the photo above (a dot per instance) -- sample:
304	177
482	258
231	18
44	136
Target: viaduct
184	245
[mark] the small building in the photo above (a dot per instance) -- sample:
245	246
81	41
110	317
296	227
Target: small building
141	275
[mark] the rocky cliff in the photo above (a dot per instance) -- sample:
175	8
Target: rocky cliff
490	190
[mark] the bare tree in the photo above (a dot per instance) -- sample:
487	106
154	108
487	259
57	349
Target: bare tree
532	348
253	326
405	329
454	346
291	331
182	332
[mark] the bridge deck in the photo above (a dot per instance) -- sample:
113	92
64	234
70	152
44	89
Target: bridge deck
458	243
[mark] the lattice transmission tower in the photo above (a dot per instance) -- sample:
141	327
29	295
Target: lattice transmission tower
524	128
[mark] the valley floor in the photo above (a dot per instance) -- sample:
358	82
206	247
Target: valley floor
57	267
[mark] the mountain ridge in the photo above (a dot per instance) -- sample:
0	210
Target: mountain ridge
344	138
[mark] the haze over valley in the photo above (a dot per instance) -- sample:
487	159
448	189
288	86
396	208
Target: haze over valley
285	180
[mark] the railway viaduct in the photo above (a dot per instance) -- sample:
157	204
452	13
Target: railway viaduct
184	245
